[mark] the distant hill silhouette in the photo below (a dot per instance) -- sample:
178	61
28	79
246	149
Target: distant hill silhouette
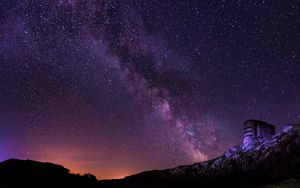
28	173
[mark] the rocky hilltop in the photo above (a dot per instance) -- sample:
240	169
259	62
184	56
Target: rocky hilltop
267	159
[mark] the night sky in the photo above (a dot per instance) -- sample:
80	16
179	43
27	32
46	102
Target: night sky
118	87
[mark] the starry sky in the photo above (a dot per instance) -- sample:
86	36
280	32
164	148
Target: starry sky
115	87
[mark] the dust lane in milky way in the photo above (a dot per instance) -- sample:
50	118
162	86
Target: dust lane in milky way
118	87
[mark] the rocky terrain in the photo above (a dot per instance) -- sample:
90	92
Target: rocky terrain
271	159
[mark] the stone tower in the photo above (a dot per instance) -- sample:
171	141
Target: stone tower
254	130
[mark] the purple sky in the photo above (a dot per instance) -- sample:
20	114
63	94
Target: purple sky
118	87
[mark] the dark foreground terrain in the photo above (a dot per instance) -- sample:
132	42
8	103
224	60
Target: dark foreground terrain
272	162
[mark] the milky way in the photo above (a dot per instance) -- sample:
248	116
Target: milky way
118	87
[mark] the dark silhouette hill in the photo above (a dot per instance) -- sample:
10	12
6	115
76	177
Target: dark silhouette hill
28	173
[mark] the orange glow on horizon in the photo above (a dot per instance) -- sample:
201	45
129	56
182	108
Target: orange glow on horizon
80	161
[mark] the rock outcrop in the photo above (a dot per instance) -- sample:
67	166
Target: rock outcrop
255	130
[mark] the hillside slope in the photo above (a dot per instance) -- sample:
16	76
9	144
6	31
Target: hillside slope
270	160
